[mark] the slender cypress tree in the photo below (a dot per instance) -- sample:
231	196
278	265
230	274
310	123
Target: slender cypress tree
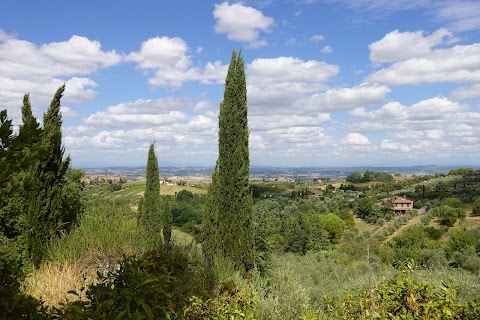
44	218
167	221
150	217
233	198
210	242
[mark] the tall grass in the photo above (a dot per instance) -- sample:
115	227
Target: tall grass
107	229
105	232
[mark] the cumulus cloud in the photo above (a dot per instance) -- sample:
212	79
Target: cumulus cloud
289	69
396	46
141	113
181	126
41	69
463	93
317	38
394	146
356	139
346	99
278	83
327	49
168	64
242	23
436	125
460	63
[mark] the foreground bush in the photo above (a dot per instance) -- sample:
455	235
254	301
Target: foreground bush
401	297
152	286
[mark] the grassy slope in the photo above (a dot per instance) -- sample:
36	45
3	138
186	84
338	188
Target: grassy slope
137	188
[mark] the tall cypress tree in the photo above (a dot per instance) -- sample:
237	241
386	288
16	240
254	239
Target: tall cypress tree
150	217
210	242
233	198
167	221
44	218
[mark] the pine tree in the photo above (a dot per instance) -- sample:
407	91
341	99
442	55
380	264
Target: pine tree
233	198
167	221
150	217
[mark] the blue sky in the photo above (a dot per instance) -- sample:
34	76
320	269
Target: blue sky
330	83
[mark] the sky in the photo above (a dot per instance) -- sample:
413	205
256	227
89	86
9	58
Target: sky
330	82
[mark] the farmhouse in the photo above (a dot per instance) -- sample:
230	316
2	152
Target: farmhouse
401	204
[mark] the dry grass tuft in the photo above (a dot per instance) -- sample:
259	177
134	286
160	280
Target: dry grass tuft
52	281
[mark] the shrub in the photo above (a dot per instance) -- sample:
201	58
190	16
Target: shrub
401	297
229	304
153	286
14	304
476	208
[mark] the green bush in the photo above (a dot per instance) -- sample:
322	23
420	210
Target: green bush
230	304
476	208
14	304
152	286
401	297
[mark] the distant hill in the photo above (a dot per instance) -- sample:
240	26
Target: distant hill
272	172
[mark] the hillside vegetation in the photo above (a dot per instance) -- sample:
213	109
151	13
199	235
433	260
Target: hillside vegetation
72	248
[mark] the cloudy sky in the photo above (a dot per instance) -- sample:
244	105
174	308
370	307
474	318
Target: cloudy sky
330	82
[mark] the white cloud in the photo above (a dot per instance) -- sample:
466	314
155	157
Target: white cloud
394	146
168	64
327	49
292	42
434	108
283	69
168	59
396	46
41	69
356	139
242	23
68	113
460	63
460	15
277	84
258	123
162	53
317	38
383	7
346	99
466	92
141	113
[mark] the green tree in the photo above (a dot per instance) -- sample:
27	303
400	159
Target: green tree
210	243
355	177
267	225
233	198
150	217
167	221
476	208
334	225
46	216
184	196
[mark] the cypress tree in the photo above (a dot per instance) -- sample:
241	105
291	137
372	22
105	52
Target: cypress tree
233	198
150	217
167	221
45	215
26	109
210	241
